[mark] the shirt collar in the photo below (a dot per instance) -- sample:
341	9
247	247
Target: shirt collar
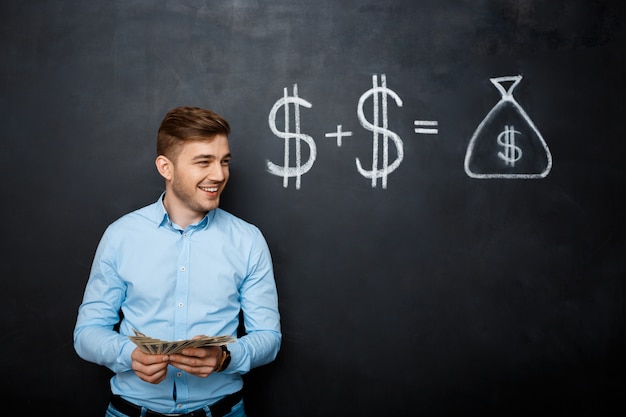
162	219
161	216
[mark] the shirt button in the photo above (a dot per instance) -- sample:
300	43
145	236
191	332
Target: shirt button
182	268
179	374
184	234
180	305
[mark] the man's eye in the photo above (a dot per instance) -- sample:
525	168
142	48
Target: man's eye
226	162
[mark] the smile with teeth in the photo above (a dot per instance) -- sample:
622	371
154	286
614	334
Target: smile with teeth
209	189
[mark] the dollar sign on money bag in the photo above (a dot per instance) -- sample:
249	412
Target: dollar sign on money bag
286	171
507	144
379	128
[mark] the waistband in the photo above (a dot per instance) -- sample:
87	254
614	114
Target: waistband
218	409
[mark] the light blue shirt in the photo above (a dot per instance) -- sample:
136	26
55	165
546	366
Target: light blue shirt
174	284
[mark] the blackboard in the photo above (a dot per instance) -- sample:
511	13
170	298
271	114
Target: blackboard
421	290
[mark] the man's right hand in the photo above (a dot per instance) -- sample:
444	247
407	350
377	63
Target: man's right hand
150	368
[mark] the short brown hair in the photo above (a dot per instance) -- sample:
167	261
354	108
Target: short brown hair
188	123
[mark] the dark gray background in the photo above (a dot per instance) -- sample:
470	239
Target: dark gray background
441	295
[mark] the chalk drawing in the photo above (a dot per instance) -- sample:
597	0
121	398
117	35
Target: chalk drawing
285	170
380	129
432	128
507	144
338	134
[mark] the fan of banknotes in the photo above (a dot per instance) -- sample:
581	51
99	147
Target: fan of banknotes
154	346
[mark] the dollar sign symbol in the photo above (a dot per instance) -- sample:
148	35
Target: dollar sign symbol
377	130
286	171
512	153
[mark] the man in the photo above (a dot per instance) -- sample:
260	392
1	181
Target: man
177	269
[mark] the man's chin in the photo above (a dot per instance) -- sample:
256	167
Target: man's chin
213	204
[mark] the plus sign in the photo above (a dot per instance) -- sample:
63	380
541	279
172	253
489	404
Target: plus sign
339	134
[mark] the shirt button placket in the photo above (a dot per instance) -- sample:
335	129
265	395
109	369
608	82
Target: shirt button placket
182	287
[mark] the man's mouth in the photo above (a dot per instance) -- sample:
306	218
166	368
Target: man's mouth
209	189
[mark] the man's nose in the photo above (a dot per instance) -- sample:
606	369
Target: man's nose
216	173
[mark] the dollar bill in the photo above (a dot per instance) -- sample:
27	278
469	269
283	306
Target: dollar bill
154	346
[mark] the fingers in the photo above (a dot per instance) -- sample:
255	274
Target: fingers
153	376
150	368
197	361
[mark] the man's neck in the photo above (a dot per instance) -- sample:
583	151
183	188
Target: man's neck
179	214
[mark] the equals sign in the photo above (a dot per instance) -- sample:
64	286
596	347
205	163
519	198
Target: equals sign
431	128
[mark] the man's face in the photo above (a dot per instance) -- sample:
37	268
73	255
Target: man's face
198	177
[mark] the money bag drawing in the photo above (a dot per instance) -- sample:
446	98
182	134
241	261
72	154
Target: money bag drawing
507	144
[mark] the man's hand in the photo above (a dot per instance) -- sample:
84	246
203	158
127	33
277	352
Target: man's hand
150	368
197	361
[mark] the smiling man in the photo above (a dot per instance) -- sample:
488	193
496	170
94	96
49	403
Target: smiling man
178	269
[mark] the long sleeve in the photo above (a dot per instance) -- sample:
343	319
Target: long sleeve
94	337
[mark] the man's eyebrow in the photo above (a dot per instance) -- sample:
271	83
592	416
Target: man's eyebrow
203	156
209	156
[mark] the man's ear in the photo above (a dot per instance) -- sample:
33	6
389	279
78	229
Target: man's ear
164	166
